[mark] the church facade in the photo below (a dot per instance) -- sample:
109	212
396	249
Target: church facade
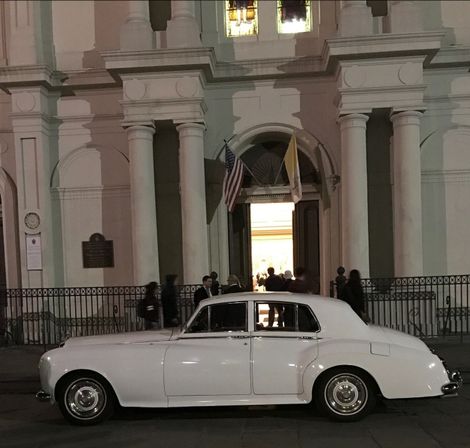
114	116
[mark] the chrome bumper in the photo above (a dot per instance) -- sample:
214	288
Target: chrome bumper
43	396
450	389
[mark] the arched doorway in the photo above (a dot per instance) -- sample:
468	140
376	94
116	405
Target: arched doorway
254	245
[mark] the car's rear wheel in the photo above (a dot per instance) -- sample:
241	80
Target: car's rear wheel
345	394
85	399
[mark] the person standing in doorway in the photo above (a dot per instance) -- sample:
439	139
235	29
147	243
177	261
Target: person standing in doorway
204	292
287	280
274	283
169	297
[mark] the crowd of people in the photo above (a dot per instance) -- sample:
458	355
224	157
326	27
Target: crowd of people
347	289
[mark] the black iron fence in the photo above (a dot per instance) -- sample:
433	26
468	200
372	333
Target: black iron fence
46	316
421	306
431	306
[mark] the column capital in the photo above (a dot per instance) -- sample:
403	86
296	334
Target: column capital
191	128
353	120
140	131
146	124
406	117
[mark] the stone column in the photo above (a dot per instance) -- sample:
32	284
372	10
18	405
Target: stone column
183	29
30	40
404	17
193	202
355	18
36	153
144	214
354	209
136	32
407	226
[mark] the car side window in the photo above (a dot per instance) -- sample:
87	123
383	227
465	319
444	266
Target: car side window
228	317
200	324
307	321
220	317
278	316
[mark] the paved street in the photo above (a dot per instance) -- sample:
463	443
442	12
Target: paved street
405	423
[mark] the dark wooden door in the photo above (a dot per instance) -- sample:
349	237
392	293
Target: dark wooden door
306	233
239	227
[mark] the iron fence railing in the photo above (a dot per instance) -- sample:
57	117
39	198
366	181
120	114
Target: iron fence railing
422	306
428	306
46	316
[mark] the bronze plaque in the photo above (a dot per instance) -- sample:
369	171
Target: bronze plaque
98	252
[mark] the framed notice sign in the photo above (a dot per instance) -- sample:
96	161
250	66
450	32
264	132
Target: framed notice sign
98	252
33	253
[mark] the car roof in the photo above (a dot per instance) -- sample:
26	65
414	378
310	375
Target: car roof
275	296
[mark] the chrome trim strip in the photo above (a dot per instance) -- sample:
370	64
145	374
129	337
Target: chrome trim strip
203	336
307	338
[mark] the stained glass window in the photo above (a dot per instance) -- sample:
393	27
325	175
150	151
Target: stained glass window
294	16
241	18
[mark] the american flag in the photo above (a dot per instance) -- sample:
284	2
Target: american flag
233	178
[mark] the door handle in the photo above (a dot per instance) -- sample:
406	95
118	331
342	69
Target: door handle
239	337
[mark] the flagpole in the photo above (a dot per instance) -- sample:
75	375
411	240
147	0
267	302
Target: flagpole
226	142
279	172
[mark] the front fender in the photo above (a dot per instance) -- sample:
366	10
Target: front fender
134	371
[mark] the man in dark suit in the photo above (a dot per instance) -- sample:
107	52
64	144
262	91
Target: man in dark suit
204	292
215	284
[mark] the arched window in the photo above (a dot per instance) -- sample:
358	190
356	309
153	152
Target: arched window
265	162
241	18
294	16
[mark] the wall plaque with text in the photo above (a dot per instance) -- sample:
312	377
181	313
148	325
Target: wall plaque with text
98	252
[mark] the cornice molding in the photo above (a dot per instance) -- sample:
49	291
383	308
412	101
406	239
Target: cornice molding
445	176
30	75
334	50
204	59
65	193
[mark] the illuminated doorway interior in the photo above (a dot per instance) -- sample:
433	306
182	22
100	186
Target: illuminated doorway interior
271	239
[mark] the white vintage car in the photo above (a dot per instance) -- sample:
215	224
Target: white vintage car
232	352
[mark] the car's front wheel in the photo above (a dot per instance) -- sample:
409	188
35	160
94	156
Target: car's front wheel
85	399
345	394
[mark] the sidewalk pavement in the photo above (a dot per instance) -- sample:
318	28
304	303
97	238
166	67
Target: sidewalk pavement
19	364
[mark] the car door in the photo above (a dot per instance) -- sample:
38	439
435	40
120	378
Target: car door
212	356
281	352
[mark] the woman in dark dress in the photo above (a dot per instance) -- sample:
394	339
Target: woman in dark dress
170	310
354	294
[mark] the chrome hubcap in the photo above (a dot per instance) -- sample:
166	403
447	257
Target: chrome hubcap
85	398
346	394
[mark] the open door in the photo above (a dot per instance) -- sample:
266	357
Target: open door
306	233
240	244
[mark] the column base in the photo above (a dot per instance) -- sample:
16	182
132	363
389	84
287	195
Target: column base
404	17
356	21
137	35
183	33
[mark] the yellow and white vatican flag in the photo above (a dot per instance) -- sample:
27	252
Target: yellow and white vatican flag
291	161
